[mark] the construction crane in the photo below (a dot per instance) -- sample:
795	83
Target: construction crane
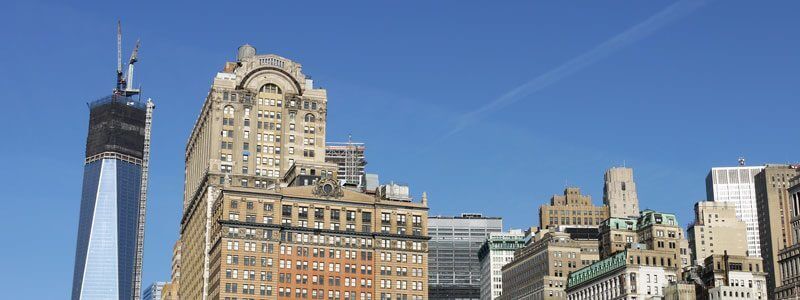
125	82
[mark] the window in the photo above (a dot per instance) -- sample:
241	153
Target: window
309	118
270	88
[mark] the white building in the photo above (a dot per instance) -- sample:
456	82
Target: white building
732	293
628	274
496	252
737	185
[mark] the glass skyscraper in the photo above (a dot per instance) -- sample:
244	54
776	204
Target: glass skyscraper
111	226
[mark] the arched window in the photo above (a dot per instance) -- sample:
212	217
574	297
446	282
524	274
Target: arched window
270	88
228	110
310	118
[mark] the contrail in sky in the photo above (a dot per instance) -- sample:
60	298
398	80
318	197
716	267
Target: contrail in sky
664	17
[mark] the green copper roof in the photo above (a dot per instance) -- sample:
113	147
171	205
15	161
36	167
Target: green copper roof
622	223
597	269
501	243
650	217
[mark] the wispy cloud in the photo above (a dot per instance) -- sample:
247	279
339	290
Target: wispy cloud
668	15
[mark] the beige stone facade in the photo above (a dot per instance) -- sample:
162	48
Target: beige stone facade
265	218
619	193
261	116
789	258
680	291
630	274
651	231
716	229
298	242
572	209
721	273
540	270
774	217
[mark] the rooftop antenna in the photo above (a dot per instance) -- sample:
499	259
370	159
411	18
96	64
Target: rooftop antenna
741	161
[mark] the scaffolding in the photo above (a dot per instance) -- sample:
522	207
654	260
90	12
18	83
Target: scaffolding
349	156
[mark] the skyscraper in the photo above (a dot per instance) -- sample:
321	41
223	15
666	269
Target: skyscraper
454	269
789	257
265	216
261	116
775	213
108	256
619	193
737	185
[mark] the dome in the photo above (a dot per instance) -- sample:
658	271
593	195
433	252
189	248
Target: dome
245	51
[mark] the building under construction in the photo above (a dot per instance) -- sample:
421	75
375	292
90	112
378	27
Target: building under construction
349	156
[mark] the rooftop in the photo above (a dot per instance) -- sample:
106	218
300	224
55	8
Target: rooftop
597	269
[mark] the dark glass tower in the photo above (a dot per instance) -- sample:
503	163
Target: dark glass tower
111	228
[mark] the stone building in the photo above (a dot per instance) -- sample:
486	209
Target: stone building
571	210
730	276
540	269
680	291
716	230
619	193
774	217
628	274
789	257
264	215
653	230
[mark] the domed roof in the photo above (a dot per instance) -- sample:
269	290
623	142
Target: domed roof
245	51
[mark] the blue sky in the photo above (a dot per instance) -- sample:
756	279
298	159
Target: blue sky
698	89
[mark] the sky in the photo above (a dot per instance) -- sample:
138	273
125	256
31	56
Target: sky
489	107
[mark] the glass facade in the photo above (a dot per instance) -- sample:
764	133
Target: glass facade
106	249
454	271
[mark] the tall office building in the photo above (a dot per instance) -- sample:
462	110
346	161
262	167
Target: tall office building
349	156
265	216
261	116
775	213
737	185
619	193
108	256
789	257
454	268
496	252
572	209
716	230
153	292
